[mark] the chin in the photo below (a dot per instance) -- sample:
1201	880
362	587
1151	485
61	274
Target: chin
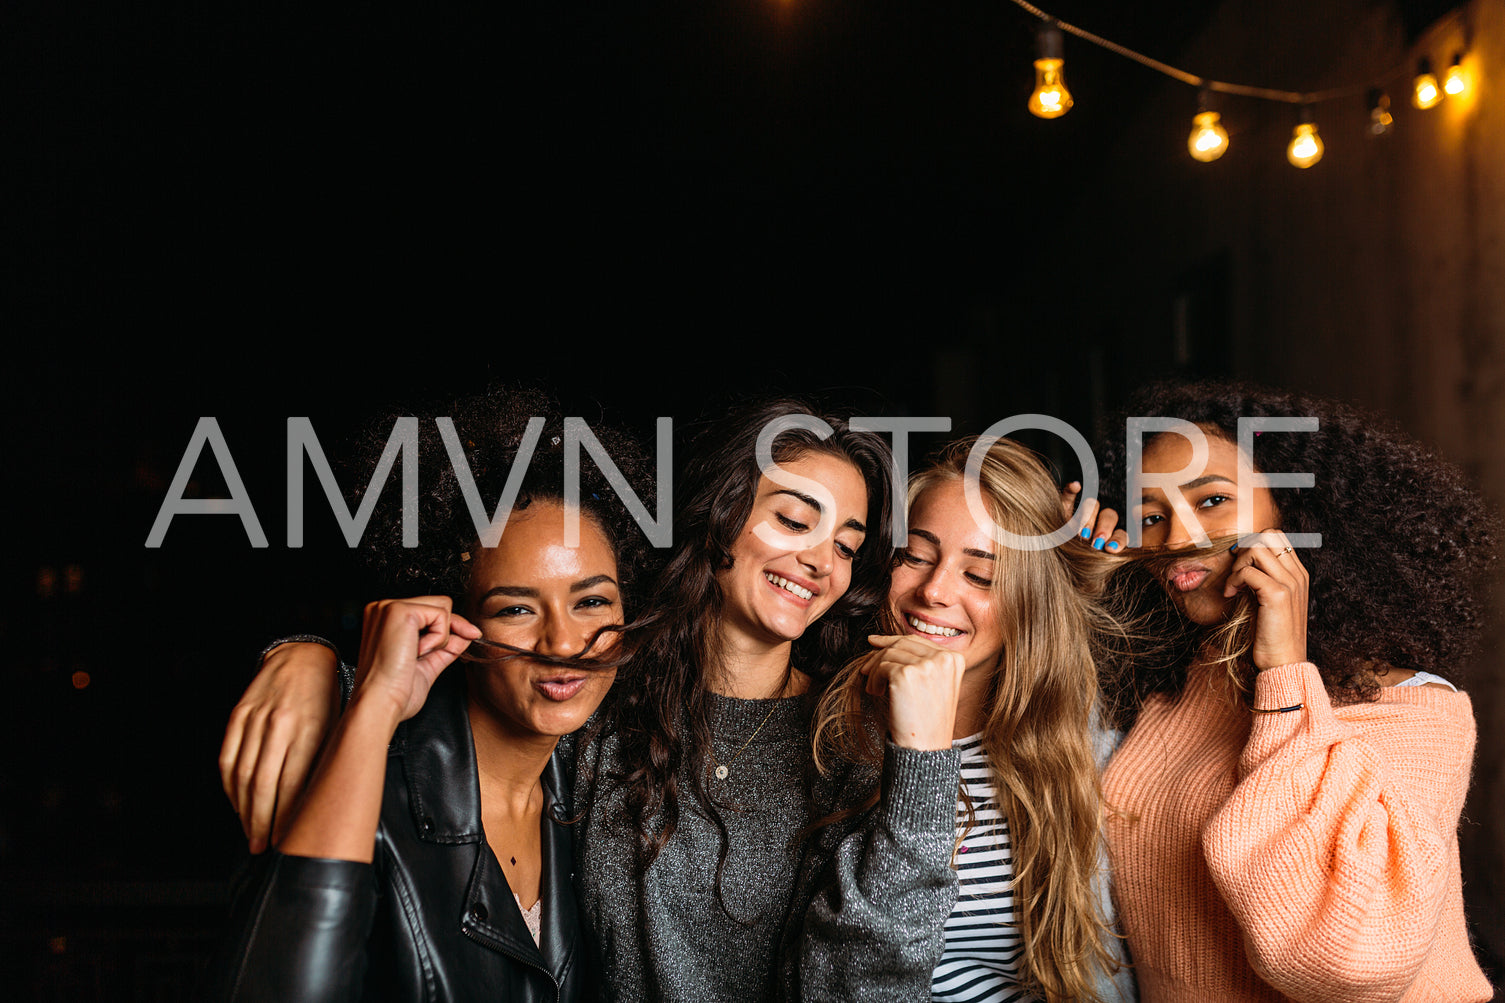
560	722
1203	611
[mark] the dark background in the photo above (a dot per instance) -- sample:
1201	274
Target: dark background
255	213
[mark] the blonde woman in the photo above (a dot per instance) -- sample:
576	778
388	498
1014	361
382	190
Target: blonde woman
998	893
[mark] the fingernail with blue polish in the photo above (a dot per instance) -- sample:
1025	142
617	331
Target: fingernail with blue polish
1086	532
1098	543
1113	545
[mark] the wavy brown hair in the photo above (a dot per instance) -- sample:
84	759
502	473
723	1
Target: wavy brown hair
1038	719
660	712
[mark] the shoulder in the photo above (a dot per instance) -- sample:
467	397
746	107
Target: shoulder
1428	725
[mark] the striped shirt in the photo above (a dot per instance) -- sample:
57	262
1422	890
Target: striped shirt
983	948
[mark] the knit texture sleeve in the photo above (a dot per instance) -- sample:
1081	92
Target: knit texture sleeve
876	927
1336	850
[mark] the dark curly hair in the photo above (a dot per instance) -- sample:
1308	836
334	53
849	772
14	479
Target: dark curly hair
490	428
1406	541
661	713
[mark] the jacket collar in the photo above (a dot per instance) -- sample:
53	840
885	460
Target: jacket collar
439	761
444	795
439	758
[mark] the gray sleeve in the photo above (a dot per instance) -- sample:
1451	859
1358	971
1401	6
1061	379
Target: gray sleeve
875	928
1118	986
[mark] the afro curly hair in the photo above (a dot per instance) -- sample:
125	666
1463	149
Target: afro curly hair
491	427
1407	543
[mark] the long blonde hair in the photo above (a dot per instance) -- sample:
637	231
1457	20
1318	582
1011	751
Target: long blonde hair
1038	719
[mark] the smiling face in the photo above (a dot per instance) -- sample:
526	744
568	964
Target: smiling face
942	589
781	582
533	592
1198	584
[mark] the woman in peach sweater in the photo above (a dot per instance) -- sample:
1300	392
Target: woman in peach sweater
1284	811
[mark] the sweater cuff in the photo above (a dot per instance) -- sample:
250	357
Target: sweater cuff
1286	685
920	788
296	639
1295	685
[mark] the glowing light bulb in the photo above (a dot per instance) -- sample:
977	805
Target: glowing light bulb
1208	140
1453	81
1306	148
1051	99
1380	119
1425	92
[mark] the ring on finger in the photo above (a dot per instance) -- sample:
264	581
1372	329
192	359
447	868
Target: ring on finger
1285	551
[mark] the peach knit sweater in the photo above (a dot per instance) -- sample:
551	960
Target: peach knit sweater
1311	855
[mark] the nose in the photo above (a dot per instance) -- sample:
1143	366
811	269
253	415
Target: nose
820	559
557	636
1180	534
935	588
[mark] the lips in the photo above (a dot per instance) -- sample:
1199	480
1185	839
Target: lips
931	631
560	688
1185	577
792	588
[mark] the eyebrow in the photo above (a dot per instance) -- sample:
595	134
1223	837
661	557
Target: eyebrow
1205	479
528	592
850	523
925	534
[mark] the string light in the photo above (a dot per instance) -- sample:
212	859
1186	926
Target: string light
1306	146
1380	119
1424	90
1453	81
1051	99
1208	140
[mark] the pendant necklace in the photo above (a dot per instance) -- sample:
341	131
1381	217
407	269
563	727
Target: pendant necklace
722	770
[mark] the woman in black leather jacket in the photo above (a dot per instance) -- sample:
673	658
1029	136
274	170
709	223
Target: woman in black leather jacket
431	856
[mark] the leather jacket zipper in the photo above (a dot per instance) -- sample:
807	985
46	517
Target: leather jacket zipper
498	946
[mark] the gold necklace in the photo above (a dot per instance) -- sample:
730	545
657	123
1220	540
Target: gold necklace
722	770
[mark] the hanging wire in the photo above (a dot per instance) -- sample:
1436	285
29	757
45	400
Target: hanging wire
1221	86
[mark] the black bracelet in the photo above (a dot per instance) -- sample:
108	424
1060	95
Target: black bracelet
1277	710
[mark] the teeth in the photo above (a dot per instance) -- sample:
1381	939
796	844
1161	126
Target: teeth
789	586
930	628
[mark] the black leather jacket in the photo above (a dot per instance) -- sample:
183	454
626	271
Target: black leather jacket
432	918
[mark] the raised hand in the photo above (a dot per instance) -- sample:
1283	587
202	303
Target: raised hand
1099	526
922	683
405	644
1270	568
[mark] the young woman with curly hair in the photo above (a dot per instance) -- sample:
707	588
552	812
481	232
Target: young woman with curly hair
990	661
1284	811
693	785
431	855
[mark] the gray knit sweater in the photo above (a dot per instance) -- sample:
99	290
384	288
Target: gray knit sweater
664	935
